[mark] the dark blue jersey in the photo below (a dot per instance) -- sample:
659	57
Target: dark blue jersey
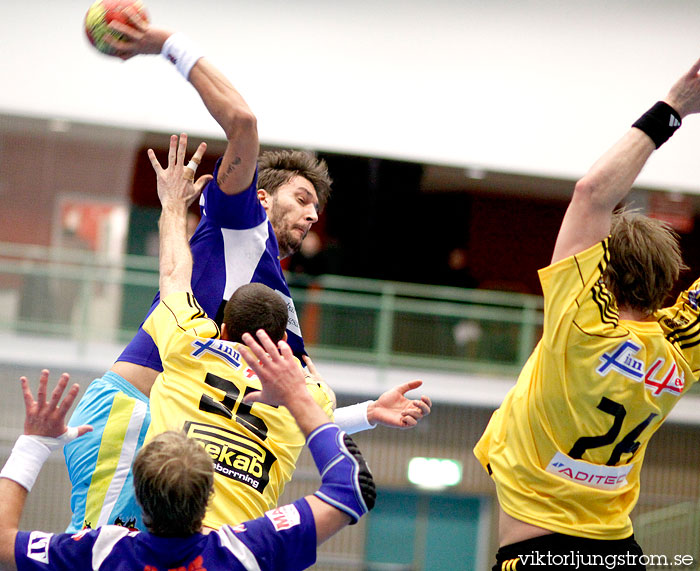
233	245
284	538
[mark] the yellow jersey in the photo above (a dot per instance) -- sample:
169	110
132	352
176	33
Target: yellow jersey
566	446
204	379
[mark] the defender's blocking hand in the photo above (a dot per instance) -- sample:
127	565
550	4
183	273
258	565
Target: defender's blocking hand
49	418
176	182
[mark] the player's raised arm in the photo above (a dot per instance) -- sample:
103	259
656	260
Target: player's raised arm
347	489
222	100
587	219
44	430
176	191
231	111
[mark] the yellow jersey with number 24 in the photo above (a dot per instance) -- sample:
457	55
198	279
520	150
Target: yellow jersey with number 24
566	446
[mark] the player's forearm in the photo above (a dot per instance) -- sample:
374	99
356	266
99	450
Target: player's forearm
221	99
356	417
230	110
13	497
175	255
612	176
588	217
223	102
307	413
17	477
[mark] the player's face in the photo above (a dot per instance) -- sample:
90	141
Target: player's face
292	210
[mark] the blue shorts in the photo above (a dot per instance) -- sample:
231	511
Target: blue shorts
100	462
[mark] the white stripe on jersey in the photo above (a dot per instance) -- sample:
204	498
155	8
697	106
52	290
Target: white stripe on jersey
107	538
126	458
238	548
242	252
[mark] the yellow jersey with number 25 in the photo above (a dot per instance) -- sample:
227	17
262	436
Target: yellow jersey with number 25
204	379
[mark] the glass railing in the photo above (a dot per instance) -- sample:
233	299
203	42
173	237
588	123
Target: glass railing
88	297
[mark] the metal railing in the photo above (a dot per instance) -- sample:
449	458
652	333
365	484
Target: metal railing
88	297
392	324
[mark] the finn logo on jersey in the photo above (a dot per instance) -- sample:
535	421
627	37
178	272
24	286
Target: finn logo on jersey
622	361
655	379
218	348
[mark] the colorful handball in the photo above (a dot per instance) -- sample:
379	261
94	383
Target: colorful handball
101	13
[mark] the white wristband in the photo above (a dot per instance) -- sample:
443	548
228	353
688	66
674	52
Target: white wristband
353	418
181	51
29	454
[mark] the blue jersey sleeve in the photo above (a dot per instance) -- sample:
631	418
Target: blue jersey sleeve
237	212
38	550
283	539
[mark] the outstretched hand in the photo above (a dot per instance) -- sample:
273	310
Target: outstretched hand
176	182
44	430
684	96
49	418
393	409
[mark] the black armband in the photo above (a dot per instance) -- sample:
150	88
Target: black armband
659	123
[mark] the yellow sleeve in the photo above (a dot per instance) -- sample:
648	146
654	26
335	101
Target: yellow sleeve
681	324
575	297
176	315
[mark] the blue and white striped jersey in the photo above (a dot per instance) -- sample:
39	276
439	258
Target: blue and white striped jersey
284	538
233	245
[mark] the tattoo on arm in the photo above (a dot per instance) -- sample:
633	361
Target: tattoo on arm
231	167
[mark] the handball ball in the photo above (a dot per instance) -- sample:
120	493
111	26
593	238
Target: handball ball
101	13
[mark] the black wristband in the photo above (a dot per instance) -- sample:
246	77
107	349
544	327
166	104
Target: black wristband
659	123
